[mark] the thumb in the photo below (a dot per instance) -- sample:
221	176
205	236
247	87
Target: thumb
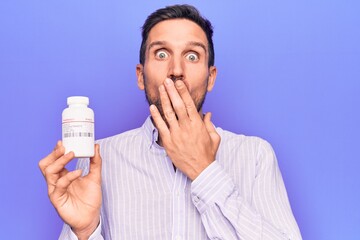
95	164
215	138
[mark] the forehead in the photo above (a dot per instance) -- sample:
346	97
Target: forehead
177	31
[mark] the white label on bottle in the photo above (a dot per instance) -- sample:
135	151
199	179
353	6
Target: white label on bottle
83	129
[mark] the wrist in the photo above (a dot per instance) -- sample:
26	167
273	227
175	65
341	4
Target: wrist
85	233
196	172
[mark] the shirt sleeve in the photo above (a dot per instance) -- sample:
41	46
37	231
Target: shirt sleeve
226	215
68	234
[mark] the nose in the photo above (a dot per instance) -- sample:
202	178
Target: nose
176	69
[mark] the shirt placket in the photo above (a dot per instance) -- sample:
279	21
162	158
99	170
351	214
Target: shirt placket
179	202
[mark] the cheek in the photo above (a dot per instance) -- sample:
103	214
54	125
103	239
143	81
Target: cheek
156	68
151	87
197	80
154	75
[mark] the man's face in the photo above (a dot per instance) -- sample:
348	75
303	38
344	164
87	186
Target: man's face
176	49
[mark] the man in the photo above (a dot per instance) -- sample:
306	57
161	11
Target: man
172	178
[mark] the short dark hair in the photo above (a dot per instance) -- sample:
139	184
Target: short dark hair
173	12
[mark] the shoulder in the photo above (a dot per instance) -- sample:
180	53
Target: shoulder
248	148
244	157
234	140
122	138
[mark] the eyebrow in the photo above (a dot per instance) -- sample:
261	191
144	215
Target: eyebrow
156	43
191	43
197	44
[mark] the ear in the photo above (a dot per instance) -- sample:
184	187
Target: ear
140	76
212	78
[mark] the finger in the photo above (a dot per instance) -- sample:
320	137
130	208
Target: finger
54	171
211	130
53	185
63	183
63	172
58	165
167	108
176	101
208	124
95	165
159	122
188	102
55	154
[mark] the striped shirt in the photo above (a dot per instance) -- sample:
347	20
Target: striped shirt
241	195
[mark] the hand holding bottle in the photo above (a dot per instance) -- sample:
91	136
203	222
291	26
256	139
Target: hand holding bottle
76	198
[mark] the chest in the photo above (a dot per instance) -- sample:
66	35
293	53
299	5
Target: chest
148	200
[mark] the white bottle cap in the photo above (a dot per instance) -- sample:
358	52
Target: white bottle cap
78	100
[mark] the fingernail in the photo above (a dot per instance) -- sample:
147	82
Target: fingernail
178	84
152	108
69	154
162	88
57	145
168	81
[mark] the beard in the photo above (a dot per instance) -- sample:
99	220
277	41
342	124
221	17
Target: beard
151	99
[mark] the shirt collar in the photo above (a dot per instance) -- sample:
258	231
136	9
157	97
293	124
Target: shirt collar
151	132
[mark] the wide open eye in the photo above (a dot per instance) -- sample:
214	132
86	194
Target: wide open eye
192	57
161	54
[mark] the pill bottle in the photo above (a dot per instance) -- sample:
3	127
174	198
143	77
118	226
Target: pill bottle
78	127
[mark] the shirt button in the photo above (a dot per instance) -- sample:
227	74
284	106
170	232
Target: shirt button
196	199
178	237
177	193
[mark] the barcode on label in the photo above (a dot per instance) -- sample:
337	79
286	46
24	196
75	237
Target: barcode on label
78	134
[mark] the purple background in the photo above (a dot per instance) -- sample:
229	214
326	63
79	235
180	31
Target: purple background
289	72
